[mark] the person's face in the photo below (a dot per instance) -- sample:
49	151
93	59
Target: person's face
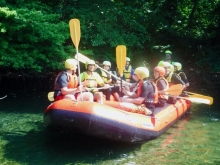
175	68
167	70
127	63
106	67
74	70
136	78
167	57
156	75
91	67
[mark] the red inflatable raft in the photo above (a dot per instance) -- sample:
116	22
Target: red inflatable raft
108	122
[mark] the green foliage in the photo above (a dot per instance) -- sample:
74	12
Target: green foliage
35	35
32	38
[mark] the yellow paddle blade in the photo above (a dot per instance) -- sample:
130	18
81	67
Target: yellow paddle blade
175	90
199	100
75	32
50	96
121	58
82	58
204	99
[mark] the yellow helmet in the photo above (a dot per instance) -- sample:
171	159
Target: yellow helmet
141	72
128	59
90	62
71	64
107	63
178	65
165	64
160	63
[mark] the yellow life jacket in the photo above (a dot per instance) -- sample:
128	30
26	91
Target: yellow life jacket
127	74
182	73
92	79
169	78
105	77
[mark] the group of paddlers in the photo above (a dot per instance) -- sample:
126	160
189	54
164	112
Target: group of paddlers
136	91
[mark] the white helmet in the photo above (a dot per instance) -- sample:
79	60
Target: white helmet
107	63
128	59
178	65
90	62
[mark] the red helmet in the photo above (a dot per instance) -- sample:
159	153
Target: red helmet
160	69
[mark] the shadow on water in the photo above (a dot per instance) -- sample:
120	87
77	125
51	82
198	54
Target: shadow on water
25	140
43	147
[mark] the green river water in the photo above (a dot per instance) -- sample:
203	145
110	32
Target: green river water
193	140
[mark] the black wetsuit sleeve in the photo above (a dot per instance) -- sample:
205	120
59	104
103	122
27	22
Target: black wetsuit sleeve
184	78
176	80
161	85
145	90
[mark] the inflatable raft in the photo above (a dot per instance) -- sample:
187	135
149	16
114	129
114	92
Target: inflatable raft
108	122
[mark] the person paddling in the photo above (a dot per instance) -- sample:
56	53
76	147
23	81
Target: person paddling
108	79
162	85
146	93
93	80
66	85
172	79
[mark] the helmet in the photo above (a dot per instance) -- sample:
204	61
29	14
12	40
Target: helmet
168	52
160	69
178	65
107	63
90	62
141	72
128	59
165	64
71	64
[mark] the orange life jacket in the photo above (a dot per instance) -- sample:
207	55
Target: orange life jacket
140	84
72	80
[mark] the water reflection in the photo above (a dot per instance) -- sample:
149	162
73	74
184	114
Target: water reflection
24	140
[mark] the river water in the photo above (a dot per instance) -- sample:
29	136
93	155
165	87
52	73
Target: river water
194	139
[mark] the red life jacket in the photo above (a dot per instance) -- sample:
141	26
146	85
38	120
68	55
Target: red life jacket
155	99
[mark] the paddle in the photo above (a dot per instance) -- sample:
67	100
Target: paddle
174	90
75	34
83	59
50	95
195	97
121	60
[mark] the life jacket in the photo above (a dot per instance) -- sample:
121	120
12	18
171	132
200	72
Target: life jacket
179	73
169	77
127	74
92	79
160	95
150	100
72	80
105	77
